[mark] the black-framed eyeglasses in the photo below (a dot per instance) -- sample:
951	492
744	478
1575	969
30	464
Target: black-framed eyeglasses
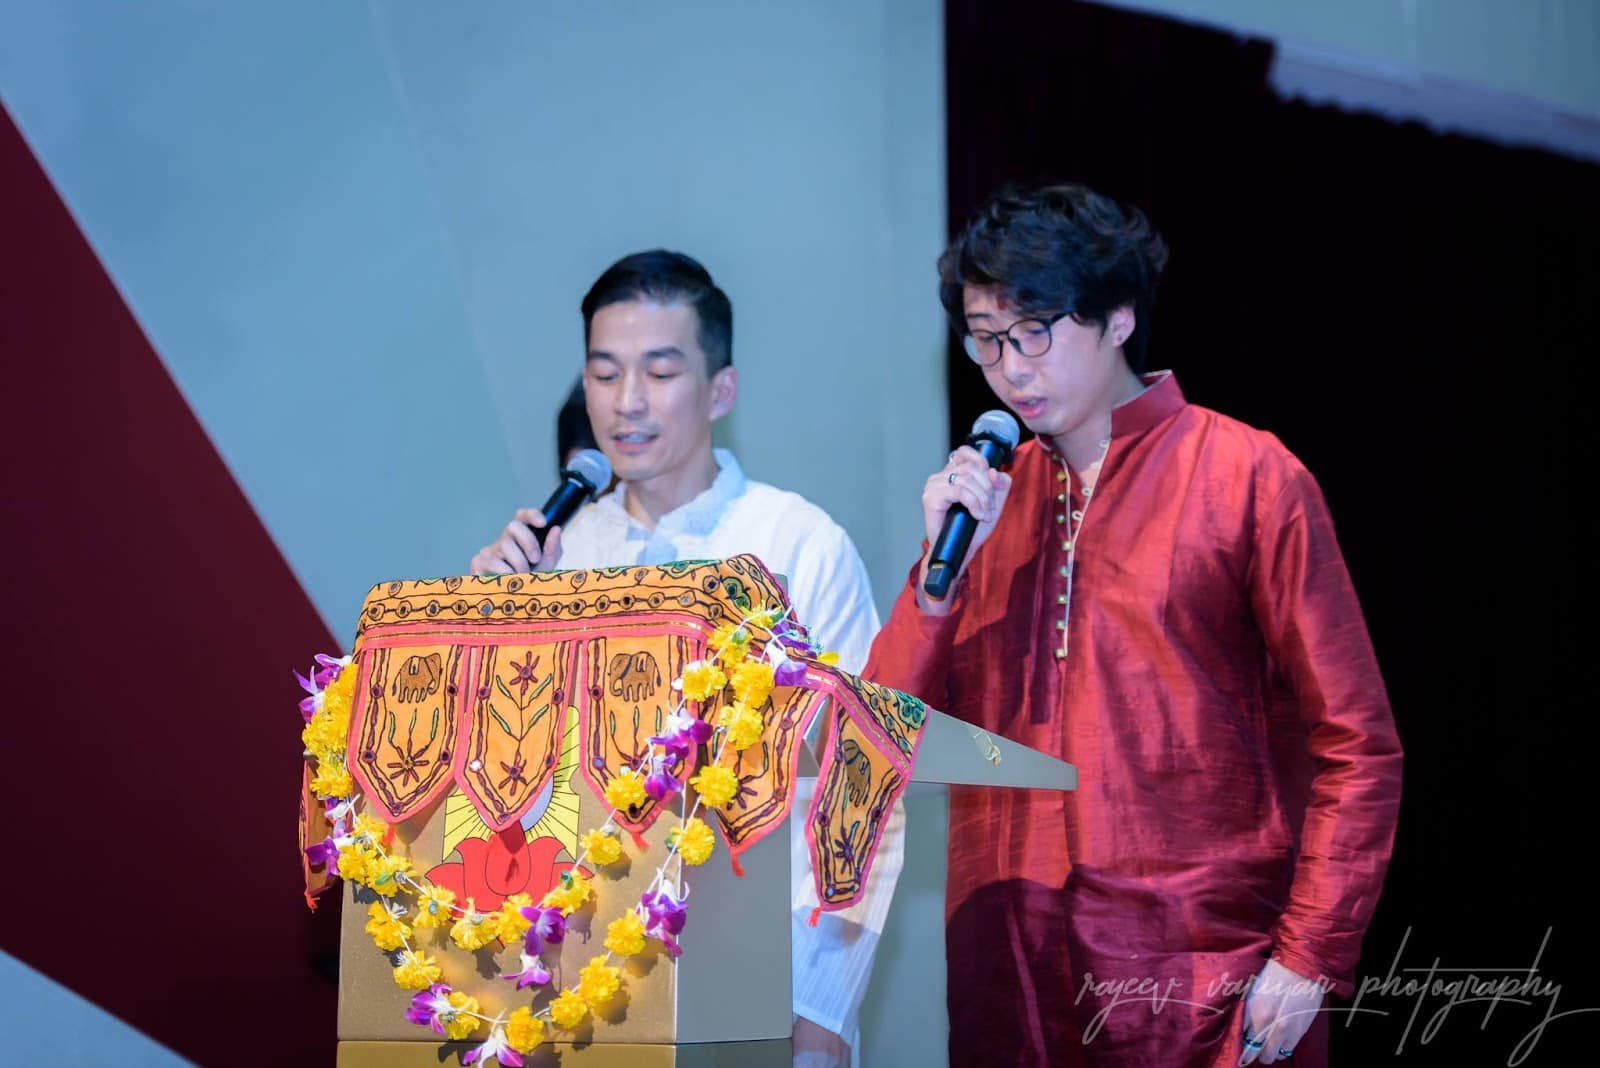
1030	337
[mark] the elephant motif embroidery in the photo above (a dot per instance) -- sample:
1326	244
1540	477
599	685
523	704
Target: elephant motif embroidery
476	682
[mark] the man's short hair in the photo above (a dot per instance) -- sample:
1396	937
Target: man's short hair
1059	248
668	278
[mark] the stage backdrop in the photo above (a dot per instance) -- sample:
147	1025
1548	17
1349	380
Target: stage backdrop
290	304
1412	314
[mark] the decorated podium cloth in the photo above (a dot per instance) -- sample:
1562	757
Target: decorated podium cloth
663	690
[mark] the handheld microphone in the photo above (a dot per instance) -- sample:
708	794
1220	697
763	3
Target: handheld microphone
994	435
587	474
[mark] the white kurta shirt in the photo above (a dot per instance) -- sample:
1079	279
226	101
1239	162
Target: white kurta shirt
828	587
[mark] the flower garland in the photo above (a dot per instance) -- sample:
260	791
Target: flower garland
739	673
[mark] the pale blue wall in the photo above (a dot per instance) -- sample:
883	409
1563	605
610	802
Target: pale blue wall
345	223
45	1023
358	234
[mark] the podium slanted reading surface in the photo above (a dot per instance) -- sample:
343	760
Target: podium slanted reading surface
502	731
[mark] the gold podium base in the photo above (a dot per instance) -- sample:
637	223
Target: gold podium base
773	1054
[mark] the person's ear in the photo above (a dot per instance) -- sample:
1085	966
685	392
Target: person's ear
724	391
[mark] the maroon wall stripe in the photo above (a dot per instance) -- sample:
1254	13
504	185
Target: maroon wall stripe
150	623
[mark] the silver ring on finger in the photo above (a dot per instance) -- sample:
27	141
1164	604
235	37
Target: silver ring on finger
1284	1054
1253	1043
951	478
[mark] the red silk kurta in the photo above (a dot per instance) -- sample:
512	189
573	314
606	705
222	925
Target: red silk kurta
1200	656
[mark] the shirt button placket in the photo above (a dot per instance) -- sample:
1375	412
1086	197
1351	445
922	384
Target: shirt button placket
1064	598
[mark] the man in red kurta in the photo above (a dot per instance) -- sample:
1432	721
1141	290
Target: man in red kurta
1154	594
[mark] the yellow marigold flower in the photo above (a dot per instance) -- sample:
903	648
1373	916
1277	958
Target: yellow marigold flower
332	780
701	679
458	1022
369	829
693	841
830	658
603	848
625	936
568	1010
384	871
353	863
476	929
511	923
570	896
433	907
579	891
598	981
416	971
339	718
732	643
716	785
524	1030
745	725
729	634
626	790
752	683
387	931
322	737
336	697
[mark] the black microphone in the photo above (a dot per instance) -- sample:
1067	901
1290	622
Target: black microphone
588	473
994	435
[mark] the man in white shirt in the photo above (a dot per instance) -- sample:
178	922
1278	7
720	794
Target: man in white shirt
658	372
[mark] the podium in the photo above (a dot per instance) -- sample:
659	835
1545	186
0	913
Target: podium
727	999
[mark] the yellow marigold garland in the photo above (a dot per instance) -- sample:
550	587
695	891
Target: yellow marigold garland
360	855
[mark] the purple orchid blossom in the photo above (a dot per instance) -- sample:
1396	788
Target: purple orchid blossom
533	972
328	668
427	1006
792	635
549	928
785	670
683	733
677	746
325	853
325	672
665	916
661	784
693	729
313	699
497	1047
338	813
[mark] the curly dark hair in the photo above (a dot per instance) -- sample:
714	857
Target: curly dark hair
1059	248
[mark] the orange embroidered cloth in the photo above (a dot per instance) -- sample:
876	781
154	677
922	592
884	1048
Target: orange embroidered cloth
471	682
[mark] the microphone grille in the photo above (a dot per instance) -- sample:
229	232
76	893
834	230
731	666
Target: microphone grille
592	466
998	424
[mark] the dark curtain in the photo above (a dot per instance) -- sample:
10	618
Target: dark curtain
1410	313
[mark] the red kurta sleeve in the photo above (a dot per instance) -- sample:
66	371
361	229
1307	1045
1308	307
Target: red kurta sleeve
912	651
1311	620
